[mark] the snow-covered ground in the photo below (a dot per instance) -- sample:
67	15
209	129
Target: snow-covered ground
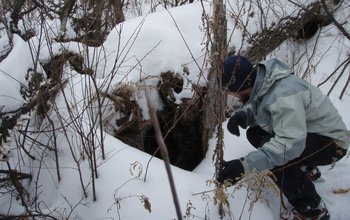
142	48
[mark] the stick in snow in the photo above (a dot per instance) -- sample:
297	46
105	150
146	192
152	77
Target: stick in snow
163	150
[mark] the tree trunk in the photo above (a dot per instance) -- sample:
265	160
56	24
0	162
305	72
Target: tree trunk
64	15
15	15
214	101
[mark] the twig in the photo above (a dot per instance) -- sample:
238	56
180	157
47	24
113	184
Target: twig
201	193
163	150
335	22
12	217
338	78
345	86
334	72
16	174
19	188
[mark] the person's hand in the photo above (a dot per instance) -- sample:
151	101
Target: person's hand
231	171
235	121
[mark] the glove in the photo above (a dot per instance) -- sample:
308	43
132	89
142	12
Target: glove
235	120
232	170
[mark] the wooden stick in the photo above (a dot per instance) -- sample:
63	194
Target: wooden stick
163	150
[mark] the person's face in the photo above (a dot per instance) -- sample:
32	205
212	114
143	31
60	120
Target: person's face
243	96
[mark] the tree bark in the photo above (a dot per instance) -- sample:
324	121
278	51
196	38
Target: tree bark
215	100
64	15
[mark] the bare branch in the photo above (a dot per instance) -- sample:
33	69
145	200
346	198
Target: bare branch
335	22
164	152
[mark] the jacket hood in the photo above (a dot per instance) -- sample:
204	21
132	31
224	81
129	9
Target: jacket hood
269	72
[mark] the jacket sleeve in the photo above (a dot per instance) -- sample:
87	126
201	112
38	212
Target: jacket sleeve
288	122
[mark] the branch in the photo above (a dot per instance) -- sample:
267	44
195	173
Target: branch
269	39
9	122
12	217
336	23
16	174
164	151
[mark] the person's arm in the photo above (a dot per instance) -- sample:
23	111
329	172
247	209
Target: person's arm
288	121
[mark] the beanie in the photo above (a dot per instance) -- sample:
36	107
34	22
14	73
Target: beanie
238	74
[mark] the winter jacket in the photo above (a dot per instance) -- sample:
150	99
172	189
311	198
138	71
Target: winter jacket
288	107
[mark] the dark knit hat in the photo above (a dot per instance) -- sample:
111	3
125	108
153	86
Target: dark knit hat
238	74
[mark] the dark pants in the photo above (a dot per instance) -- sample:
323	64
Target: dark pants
292	180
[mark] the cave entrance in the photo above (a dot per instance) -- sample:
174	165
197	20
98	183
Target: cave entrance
180	124
183	143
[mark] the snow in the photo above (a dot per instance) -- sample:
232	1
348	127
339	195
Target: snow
13	75
140	49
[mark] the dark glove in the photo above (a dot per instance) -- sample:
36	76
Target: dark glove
232	170
235	120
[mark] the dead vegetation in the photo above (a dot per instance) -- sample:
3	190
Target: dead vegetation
300	28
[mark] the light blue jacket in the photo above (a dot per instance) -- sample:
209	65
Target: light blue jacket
288	107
